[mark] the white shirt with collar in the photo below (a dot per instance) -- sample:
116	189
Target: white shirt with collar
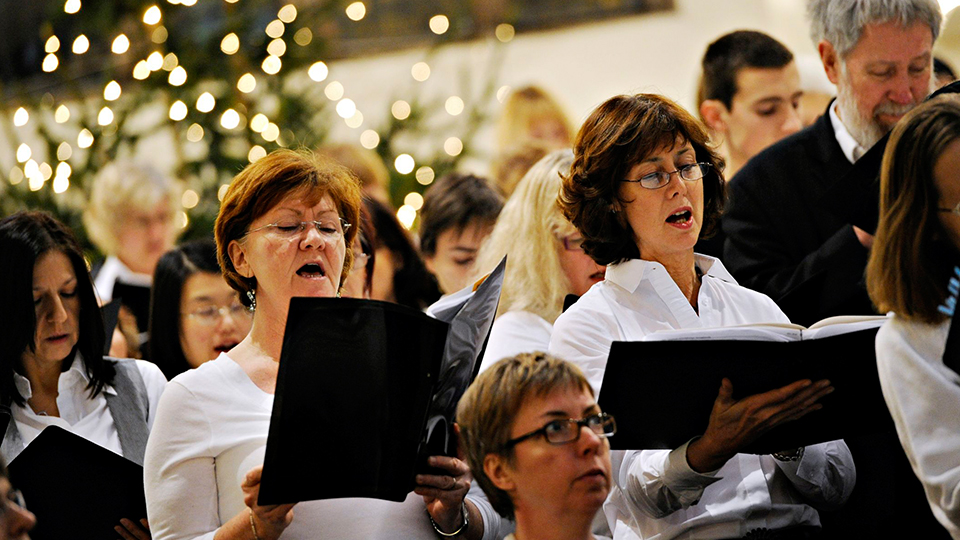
658	495
89	418
112	270
850	147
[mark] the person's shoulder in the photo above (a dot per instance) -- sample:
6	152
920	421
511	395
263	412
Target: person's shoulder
899	331
782	155
151	373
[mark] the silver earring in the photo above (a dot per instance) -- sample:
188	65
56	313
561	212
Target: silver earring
252	296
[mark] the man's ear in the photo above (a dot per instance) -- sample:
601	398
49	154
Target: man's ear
830	59
496	468
713	112
239	259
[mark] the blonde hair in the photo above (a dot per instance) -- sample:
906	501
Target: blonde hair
120	187
521	111
528	232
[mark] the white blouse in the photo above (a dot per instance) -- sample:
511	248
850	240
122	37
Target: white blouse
88	418
516	332
211	429
658	495
923	396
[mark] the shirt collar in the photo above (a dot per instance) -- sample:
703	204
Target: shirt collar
850	147
630	273
77	372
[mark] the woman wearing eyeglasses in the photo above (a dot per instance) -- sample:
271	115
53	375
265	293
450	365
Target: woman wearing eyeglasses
282	231
545	262
194	314
911	263
644	186
522	427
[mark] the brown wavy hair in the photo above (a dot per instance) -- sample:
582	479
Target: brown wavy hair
907	272
620	133
264	183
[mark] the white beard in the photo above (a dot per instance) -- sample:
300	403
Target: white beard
865	129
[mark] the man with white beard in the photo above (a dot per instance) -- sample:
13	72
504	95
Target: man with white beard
783	238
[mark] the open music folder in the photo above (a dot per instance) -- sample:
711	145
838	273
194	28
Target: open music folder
77	488
662	390
367	390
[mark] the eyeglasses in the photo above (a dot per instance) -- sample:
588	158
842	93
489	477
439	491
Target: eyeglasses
211	315
954	210
331	230
14	498
573	242
564	431
655	180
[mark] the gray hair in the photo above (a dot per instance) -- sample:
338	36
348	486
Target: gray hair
120	187
841	22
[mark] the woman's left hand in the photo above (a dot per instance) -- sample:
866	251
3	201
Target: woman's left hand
131	530
444	494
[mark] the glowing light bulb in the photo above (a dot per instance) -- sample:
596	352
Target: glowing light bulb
190	199
277	47
453	146
259	122
318	71
346	108
333	91
178	111
141	71
206	102
406	215
230	43
62	114
247	83
256	152
121	44
439	24
71	6
356	11
81	44
400	109
369	139
50	63
420	71
195	133
85	138
425	176
287	13
505	32
271	65
230	119
413	200
105	117
404	163
112	91
275	28
152	15
21	117
178	76
23	153
454	105
52	45
155	61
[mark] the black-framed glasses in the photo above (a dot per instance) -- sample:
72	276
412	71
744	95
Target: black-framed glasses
954	210
655	180
568	430
331	230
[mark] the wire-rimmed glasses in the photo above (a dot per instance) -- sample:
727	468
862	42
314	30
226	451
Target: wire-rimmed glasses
331	230
655	180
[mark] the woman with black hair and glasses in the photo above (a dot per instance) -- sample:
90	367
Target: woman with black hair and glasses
52	368
643	188
194	314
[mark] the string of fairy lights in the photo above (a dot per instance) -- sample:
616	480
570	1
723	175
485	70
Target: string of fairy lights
37	172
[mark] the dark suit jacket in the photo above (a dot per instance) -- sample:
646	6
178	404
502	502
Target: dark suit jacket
783	237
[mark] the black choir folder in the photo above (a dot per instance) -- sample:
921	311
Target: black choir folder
77	488
662	390
367	390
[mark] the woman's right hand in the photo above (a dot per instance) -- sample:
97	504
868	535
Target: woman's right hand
736	423
269	520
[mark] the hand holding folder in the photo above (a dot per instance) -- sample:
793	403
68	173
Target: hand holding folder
366	392
679	381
